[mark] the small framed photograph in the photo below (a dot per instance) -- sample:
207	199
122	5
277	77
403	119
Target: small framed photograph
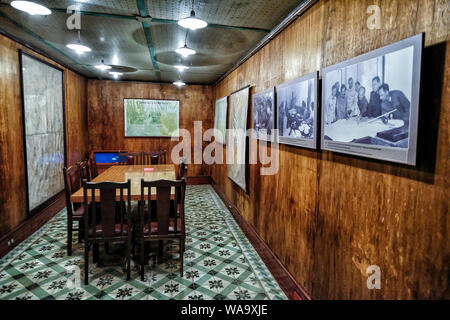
263	112
297	111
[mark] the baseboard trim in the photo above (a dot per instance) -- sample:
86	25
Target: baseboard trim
31	225
198	180
284	278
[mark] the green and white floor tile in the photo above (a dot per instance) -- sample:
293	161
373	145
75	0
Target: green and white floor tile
220	263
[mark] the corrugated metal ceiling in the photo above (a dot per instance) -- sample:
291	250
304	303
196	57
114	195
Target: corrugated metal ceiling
110	28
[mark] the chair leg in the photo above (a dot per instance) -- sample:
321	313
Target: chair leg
142	258
95	252
128	263
80	231
86	263
181	257
107	247
69	236
160	248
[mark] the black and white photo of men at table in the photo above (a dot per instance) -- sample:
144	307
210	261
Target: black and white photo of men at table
379	116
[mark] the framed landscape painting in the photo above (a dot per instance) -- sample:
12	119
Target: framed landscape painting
151	118
264	115
370	104
297	111
237	138
220	119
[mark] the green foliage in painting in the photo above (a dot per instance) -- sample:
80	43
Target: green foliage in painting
156	118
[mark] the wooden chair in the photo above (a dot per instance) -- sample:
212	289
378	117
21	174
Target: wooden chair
182	171
163	227
107	220
93	166
155	157
122	161
75	212
129	158
83	168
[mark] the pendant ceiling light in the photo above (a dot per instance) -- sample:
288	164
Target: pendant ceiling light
179	83
181	68
192	22
116	74
103	66
31	8
185	51
78	47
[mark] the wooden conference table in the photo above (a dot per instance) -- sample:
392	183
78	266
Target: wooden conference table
135	174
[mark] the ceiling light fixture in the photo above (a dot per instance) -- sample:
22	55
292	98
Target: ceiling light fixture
185	51
103	66
179	83
181	68
31	8
78	47
115	74
192	22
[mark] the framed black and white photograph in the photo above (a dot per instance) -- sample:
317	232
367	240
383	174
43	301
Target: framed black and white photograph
297	111
370	104
264	114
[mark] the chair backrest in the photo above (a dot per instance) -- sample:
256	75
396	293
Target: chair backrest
83	167
154	157
182	170
72	183
163	198
133	158
108	212
129	158
93	166
122	158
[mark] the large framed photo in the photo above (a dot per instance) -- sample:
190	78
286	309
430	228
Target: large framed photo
297	112
237	138
370	104
264	114
151	118
220	120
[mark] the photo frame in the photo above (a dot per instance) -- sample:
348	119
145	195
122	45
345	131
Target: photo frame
220	119
379	123
237	137
151	118
43	130
263	115
297	111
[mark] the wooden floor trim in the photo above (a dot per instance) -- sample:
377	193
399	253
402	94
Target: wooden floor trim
198	180
31	225
285	280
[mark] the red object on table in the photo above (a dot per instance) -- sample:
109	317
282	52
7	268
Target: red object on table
149	169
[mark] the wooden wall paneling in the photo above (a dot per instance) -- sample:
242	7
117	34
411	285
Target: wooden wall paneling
106	115
329	216
76	117
12	184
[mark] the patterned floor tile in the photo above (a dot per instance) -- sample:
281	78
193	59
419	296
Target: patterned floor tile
219	263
